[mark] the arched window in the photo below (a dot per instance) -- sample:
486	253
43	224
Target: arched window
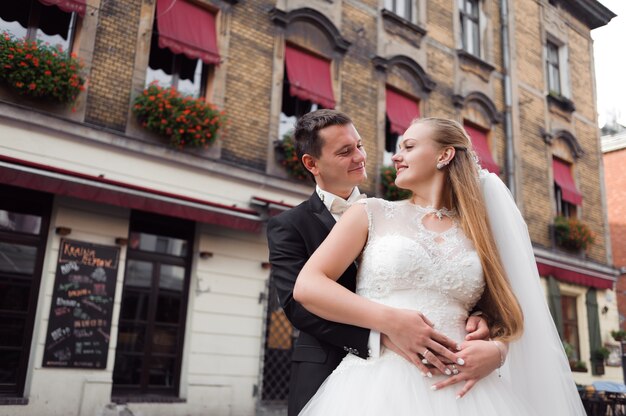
406	88
479	115
565	152
312	44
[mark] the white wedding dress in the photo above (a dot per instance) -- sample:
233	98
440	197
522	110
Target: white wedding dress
406	265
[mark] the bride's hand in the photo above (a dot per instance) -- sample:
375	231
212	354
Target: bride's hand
481	359
416	338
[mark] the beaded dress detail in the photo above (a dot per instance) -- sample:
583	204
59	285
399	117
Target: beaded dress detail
406	265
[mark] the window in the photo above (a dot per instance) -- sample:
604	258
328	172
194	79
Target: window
307	86
470	28
563	208
400	7
180	57
279	336
24	220
401	111
570	324
154	303
480	143
33	20
553	68
566	194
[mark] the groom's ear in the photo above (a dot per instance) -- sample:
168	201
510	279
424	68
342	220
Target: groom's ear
310	163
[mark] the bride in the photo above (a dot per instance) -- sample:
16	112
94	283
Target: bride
459	242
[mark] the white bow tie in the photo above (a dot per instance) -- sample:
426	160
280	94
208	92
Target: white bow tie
339	205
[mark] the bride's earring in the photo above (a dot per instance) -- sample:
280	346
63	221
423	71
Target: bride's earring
441	165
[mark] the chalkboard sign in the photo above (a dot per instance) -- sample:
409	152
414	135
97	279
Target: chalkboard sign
82	304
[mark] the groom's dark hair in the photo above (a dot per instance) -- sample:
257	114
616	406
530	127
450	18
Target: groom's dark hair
306	133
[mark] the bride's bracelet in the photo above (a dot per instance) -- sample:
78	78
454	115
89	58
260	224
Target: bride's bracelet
500	348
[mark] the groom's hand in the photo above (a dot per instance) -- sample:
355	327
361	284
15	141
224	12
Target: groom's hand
476	328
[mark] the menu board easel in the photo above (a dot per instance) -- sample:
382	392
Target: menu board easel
79	327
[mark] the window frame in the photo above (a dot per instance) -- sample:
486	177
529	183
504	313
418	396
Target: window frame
34	15
571	324
161	227
206	75
393	6
32	203
553	68
470	22
563	208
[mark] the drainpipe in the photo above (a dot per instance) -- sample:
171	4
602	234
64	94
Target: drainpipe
508	117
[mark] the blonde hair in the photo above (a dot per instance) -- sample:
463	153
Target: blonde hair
462	192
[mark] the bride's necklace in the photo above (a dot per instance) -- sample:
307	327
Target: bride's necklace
439	213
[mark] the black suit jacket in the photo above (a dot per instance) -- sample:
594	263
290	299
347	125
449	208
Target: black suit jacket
293	236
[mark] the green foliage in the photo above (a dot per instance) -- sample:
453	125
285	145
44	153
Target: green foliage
186	121
39	70
601	353
579	366
389	189
619	335
572	234
288	158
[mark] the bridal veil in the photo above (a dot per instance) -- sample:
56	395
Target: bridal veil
536	364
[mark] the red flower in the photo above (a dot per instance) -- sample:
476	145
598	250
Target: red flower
32	86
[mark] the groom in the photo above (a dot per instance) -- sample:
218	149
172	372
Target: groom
331	149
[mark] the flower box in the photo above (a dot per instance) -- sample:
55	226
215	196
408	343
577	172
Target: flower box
572	234
287	156
38	70
389	189
185	121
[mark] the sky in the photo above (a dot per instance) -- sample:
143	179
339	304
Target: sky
610	64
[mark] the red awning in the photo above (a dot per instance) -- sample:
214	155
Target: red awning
69	6
401	110
481	147
63	182
187	29
309	77
576	276
563	177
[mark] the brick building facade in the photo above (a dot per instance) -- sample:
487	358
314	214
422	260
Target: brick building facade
187	224
614	150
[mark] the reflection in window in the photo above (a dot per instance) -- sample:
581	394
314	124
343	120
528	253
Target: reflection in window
470	28
21	223
32	20
400	7
17	258
158	244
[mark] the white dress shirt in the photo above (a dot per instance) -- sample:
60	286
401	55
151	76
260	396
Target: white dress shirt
327	198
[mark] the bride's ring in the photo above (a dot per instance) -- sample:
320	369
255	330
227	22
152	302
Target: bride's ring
425	352
454	370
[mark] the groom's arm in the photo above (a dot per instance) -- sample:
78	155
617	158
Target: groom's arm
288	254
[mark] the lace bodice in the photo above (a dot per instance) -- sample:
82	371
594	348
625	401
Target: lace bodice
406	265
